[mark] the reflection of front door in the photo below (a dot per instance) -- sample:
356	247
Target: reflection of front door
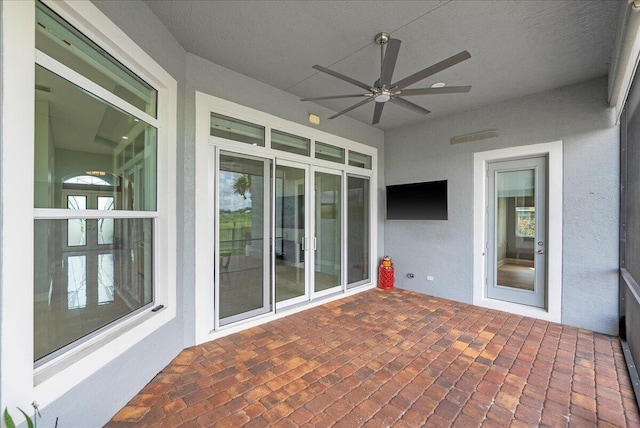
88	254
516	231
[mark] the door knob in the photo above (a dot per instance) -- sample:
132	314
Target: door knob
540	251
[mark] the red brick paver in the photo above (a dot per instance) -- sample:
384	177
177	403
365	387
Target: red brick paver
393	358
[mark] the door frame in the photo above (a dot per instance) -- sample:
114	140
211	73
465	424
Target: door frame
553	151
538	296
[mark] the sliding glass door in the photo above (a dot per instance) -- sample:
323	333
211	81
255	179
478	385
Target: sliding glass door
243	278
358	231
327	239
291	233
281	234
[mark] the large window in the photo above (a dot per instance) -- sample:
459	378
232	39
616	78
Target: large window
95	191
88	180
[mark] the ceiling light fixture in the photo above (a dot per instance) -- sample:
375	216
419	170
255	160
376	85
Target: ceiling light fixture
439	85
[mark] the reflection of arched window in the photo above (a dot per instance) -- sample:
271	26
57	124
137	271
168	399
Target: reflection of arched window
93	178
90	180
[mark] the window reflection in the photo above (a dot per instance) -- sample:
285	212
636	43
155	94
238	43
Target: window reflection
78	290
85	144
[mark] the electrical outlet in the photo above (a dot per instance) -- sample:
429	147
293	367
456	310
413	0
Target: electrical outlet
429	278
410	275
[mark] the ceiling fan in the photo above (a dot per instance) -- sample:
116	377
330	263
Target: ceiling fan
383	90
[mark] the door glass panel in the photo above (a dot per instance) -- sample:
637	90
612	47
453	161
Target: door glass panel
105	225
76	227
76	282
290	232
243	287
105	279
515	229
358	229
328	233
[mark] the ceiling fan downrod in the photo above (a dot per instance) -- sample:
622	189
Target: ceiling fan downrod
381	39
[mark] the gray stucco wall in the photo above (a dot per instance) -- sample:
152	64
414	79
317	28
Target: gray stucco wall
579	116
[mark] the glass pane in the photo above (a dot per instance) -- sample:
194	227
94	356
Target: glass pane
106	286
330	153
290	233
86	145
77	227
290	143
237	130
358	230
77	291
76	282
58	39
105	225
515	229
242	287
359	160
328	231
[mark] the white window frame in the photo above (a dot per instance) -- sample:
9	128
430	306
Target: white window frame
553	311
205	207
21	383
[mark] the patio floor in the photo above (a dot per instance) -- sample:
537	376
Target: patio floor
393	358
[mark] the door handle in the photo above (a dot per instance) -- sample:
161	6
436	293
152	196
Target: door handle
540	251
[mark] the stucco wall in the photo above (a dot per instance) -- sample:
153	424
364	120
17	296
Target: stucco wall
579	116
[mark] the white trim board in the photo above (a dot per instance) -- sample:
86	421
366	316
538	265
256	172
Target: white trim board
553	150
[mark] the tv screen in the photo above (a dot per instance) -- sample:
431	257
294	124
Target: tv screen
417	201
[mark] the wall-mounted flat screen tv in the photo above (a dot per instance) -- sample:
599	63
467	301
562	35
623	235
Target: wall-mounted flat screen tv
417	201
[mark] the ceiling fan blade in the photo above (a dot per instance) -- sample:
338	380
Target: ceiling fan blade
342	77
377	113
361	103
410	106
436	68
432	91
389	62
332	97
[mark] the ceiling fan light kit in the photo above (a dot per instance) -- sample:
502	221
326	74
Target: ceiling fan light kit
383	90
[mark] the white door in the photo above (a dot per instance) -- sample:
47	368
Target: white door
517	231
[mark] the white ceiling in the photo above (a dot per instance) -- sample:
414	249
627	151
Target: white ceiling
517	47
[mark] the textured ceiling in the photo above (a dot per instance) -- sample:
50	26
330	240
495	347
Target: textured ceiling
517	47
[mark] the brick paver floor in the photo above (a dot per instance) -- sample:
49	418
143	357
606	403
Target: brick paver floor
393	358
